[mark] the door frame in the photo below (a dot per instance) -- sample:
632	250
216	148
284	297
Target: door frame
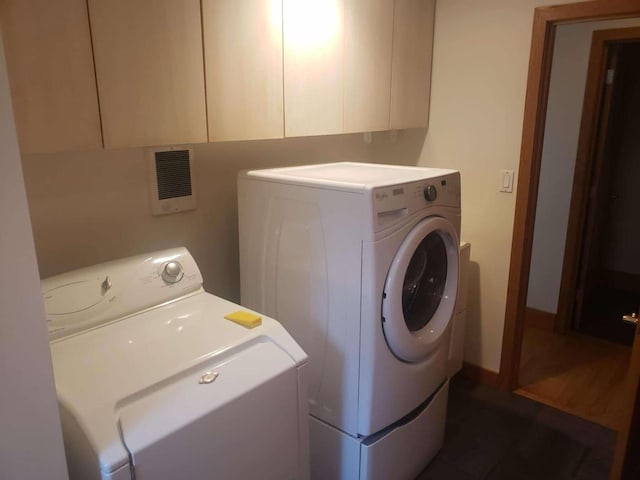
544	24
590	145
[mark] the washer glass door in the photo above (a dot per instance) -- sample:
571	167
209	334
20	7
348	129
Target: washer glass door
420	289
424	282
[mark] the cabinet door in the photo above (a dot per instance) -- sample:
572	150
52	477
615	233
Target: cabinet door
313	66
53	87
150	71
411	64
243	61
367	87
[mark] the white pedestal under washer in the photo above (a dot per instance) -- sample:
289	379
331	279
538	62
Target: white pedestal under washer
360	264
153	383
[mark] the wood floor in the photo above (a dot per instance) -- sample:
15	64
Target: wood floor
577	374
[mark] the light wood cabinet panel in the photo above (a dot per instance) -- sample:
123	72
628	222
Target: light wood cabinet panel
48	50
313	67
150	71
243	63
411	64
368	44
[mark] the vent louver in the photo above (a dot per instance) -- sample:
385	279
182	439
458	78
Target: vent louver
173	174
171	185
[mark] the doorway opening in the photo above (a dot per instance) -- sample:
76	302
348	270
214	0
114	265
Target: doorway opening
575	349
546	22
608	284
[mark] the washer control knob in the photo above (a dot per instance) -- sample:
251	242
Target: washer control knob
172	272
430	193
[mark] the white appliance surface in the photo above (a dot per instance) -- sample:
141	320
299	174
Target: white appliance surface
383	374
177	391
96	295
349	175
456	353
321	248
399	453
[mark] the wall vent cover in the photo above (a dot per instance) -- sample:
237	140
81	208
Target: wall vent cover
171	178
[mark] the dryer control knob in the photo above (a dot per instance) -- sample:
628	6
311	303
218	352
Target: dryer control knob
172	272
430	193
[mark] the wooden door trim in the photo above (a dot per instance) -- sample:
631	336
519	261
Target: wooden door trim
544	23
583	172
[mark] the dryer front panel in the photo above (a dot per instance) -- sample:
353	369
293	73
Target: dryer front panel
236	418
420	290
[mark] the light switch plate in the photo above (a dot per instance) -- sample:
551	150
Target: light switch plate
506	181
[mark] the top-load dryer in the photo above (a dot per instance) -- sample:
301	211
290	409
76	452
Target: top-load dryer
360	264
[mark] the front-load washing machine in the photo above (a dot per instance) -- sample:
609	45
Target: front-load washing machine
154	383
360	264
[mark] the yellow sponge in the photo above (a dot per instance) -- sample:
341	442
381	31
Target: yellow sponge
246	319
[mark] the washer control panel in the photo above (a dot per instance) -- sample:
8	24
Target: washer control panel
92	296
394	202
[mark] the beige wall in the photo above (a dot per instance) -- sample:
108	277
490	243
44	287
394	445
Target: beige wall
92	207
481	55
566	96
30	434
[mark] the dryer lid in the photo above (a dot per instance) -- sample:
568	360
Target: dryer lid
101	371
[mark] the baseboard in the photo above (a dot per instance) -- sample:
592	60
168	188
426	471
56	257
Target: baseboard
479	374
539	319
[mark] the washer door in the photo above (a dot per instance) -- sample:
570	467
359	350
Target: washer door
420	290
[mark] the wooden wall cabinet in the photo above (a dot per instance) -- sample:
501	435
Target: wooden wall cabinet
356	65
150	71
313	67
367	51
273	68
51	74
411	63
243	63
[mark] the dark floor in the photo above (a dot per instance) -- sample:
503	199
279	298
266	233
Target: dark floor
602	315
499	435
